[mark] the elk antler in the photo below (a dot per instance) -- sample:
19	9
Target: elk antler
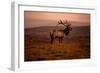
61	22
67	22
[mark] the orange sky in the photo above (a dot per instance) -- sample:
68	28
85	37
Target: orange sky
35	19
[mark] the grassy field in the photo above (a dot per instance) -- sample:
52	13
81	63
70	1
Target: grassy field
38	47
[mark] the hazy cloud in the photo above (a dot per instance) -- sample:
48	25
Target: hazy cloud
35	19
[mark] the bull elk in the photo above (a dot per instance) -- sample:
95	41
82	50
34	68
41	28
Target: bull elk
60	34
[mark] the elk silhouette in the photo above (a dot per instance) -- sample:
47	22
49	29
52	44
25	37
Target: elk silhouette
60	34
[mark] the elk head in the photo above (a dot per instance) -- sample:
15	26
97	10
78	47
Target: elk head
67	25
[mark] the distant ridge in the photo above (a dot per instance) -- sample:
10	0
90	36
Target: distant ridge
54	27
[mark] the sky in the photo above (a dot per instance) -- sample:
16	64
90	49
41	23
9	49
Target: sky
37	19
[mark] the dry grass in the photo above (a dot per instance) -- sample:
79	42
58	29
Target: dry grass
74	46
57	52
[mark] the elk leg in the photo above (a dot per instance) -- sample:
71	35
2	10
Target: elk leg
51	41
61	40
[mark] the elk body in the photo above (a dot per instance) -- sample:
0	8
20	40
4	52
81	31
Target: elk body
60	34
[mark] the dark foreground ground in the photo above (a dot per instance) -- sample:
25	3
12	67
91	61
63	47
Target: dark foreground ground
38	47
